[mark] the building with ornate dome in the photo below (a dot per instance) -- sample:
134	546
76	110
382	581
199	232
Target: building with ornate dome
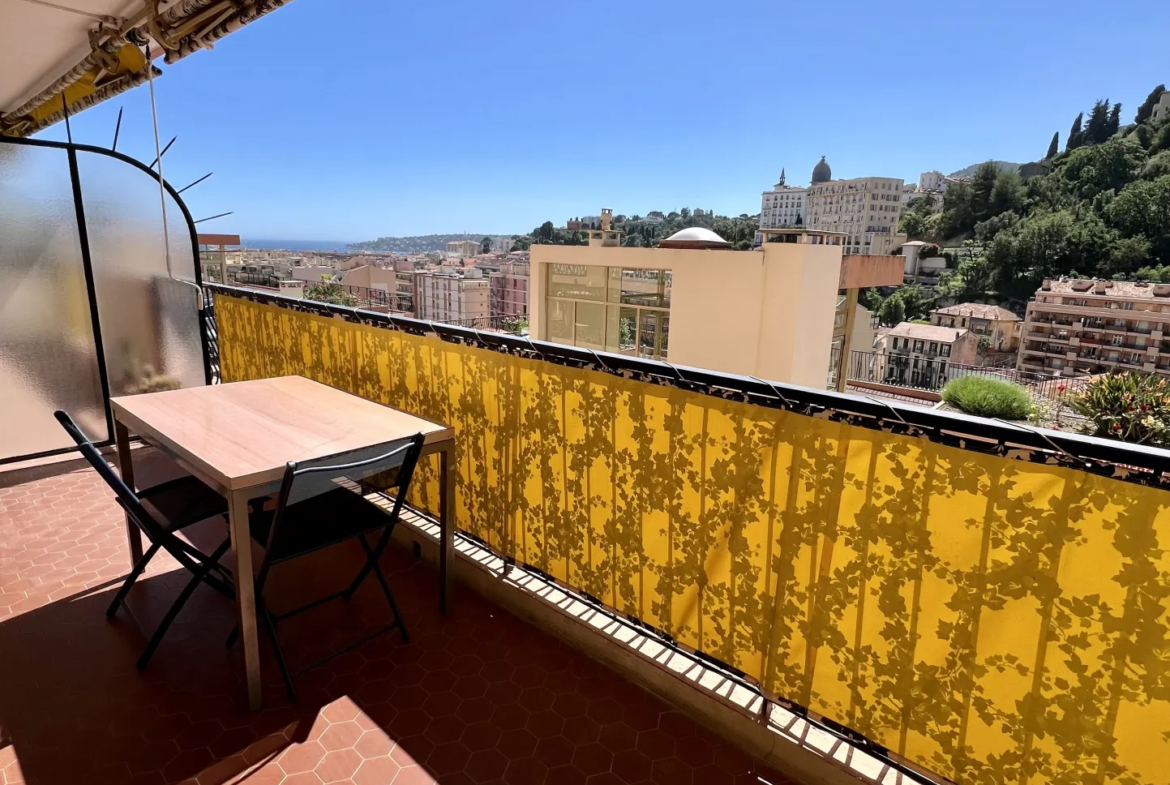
865	209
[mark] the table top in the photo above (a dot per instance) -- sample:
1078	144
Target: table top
241	435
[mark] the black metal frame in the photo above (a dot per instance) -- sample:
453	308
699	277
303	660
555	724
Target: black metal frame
72	149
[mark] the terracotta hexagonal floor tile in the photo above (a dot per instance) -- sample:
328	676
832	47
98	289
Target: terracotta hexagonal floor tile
306	778
582	730
544	724
448	758
655	744
486	765
415	775
301	757
556	751
565	775
341	710
338	766
593	759
378	771
374	744
633	766
341	736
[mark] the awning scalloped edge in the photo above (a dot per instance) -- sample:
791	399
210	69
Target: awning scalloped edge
117	63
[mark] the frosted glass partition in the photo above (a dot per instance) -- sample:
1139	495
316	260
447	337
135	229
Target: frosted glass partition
48	358
149	322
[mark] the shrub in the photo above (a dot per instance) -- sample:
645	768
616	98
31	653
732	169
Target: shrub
1132	407
987	397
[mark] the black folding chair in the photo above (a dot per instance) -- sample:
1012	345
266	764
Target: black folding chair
159	512
322	503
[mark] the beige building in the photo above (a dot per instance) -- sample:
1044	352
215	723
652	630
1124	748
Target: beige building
767	312
463	248
998	325
866	210
1077	327
920	355
398	285
453	298
1162	108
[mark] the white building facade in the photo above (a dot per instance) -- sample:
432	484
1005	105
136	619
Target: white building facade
865	209
784	205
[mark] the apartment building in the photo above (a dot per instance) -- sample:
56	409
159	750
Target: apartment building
1076	327
999	325
449	297
463	248
784	205
397	286
920	355
509	290
865	209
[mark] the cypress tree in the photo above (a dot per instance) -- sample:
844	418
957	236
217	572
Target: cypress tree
1113	124
1098	121
1147	108
1054	147
1075	135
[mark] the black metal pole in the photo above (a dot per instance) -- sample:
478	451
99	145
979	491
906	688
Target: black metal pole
65	110
117	129
91	291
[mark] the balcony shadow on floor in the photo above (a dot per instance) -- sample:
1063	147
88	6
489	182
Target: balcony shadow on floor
476	696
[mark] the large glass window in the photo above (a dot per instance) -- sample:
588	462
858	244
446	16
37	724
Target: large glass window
590	325
576	282
560	321
636	322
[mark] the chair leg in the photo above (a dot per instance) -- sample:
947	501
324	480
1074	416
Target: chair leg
138	569
372	564
362	574
270	626
185	595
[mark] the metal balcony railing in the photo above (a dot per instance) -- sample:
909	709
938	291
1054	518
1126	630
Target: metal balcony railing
690	501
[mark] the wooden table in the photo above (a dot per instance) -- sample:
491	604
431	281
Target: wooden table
238	437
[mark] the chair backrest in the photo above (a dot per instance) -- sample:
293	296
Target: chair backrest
305	479
122	492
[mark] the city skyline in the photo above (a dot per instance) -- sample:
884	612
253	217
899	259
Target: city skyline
495	121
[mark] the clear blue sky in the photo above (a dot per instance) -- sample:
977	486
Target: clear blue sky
351	120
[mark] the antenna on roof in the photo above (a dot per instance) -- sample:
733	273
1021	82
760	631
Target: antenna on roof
164	152
117	129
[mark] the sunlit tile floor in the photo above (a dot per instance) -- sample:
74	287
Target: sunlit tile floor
475	697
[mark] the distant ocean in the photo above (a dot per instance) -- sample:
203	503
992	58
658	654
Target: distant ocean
294	245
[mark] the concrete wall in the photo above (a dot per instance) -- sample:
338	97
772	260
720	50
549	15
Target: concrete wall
371	278
767	312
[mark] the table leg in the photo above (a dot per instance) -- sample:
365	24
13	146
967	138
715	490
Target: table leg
126	468
446	523
245	592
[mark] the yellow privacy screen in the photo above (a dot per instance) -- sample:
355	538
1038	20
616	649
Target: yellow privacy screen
993	620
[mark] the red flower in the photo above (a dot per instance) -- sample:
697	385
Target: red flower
1060	388
1117	426
1145	408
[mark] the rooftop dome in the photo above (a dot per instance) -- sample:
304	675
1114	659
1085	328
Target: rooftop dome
694	237
821	172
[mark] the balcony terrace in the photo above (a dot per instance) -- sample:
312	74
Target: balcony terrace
477	696
666	574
